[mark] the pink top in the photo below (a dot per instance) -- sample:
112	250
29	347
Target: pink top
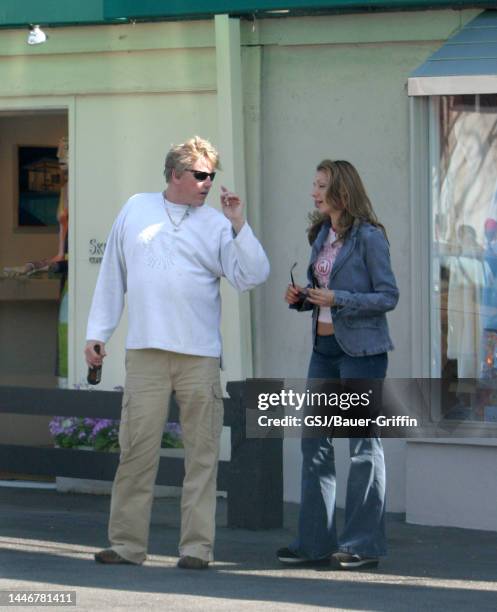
323	266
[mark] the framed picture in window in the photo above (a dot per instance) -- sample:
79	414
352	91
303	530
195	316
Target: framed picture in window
38	186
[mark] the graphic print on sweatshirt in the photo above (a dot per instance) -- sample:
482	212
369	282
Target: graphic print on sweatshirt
326	258
157	247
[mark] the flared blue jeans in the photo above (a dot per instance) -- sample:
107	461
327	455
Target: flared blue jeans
364	529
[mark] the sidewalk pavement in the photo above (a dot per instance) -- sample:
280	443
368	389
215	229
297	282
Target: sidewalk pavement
47	541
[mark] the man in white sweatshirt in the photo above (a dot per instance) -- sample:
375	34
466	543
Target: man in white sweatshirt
167	251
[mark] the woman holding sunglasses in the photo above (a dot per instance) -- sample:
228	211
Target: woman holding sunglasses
351	287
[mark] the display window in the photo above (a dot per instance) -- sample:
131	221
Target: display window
464	250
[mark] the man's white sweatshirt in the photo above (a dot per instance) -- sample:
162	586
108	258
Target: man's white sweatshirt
171	278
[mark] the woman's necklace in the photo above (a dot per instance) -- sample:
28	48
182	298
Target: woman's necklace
173	223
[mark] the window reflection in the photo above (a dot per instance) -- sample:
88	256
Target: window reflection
465	241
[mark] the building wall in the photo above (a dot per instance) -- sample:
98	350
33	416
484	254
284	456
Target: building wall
452	483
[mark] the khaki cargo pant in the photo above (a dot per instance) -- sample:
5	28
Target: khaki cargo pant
151	376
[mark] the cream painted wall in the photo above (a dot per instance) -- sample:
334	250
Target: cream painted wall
452	483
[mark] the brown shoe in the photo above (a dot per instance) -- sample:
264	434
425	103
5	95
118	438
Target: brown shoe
192	563
111	557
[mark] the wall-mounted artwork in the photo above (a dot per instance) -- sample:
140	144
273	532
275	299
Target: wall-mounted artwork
39	186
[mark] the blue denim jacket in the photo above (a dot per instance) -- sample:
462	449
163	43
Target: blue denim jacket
364	287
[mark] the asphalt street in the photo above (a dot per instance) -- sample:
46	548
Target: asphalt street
47	541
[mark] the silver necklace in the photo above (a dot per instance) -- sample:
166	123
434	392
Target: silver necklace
173	223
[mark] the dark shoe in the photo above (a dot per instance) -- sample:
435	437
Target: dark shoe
349	561
111	557
287	556
187	562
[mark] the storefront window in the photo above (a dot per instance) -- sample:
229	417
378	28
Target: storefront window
464	234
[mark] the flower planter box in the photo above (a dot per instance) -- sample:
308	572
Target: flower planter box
104	487
90	434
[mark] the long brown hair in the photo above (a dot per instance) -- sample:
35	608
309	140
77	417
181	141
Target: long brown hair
346	192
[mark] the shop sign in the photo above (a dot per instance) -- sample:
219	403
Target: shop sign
96	251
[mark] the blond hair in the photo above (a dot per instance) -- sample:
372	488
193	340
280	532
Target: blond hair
345	192
182	156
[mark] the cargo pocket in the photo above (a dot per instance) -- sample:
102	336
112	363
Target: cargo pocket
217	410
124	433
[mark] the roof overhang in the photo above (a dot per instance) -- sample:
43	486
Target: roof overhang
465	64
452	85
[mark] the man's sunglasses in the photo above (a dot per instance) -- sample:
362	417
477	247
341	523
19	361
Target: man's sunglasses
202	176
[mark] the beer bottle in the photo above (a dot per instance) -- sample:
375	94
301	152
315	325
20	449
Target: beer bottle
95	372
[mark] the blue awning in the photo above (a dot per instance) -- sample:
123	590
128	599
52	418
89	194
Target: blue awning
465	64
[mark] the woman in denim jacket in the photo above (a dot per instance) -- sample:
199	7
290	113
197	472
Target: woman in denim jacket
351	287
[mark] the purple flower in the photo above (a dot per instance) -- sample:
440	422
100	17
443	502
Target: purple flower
174	429
99	425
68	432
